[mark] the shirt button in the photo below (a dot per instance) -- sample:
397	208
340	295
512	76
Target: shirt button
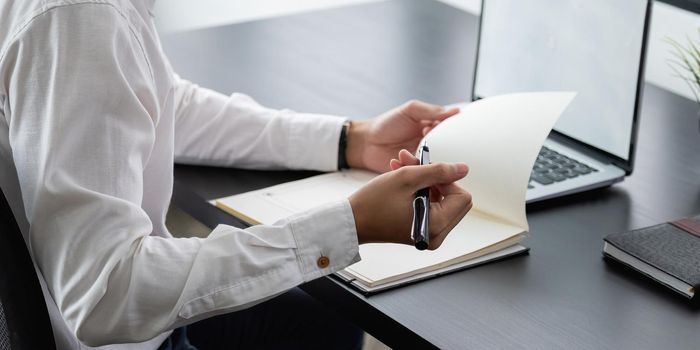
323	262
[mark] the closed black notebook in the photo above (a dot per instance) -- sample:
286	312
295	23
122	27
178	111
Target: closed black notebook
669	253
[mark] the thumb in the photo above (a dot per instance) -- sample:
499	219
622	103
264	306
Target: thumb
447	213
421	176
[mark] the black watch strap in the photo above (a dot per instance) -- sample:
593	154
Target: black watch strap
342	147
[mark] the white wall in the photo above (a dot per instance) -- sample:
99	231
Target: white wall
473	6
178	15
669	22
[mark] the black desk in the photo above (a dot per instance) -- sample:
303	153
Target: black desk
362	60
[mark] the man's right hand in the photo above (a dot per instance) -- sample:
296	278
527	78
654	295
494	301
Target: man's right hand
383	208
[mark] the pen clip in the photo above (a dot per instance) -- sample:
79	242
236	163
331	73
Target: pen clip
424	222
423	153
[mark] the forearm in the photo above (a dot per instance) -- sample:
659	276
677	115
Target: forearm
214	129
155	284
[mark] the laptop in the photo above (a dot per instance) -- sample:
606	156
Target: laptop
593	47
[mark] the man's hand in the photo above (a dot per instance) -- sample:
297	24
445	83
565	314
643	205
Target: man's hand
373	143
383	208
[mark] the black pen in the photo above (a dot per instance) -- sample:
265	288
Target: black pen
421	205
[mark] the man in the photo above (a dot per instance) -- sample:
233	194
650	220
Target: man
92	119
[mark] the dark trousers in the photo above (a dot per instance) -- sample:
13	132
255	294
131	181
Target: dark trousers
293	320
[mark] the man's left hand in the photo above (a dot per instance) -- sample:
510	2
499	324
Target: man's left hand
373	143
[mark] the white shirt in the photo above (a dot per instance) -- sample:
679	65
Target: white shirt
92	118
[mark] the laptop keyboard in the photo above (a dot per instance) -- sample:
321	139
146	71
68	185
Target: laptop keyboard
552	167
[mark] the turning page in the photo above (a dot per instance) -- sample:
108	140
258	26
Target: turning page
498	137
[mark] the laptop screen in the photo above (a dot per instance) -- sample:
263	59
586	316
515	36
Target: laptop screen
593	47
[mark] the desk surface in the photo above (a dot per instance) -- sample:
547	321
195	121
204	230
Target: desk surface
362	60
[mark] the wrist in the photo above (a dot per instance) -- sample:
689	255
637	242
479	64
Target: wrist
356	138
360	225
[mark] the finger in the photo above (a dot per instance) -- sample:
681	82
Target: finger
440	235
395	164
453	196
435	194
440	189
427	129
419	110
449	112
406	158
417	177
451	188
446	214
430	123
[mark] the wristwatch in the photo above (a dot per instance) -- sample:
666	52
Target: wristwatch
343	146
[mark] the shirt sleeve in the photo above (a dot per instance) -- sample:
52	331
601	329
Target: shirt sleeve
82	121
215	129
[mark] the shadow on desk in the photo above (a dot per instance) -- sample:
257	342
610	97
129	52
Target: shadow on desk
615	198
636	280
611	207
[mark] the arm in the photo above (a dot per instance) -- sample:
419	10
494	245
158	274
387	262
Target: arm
82	125
214	129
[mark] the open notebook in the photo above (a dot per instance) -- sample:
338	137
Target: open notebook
498	137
